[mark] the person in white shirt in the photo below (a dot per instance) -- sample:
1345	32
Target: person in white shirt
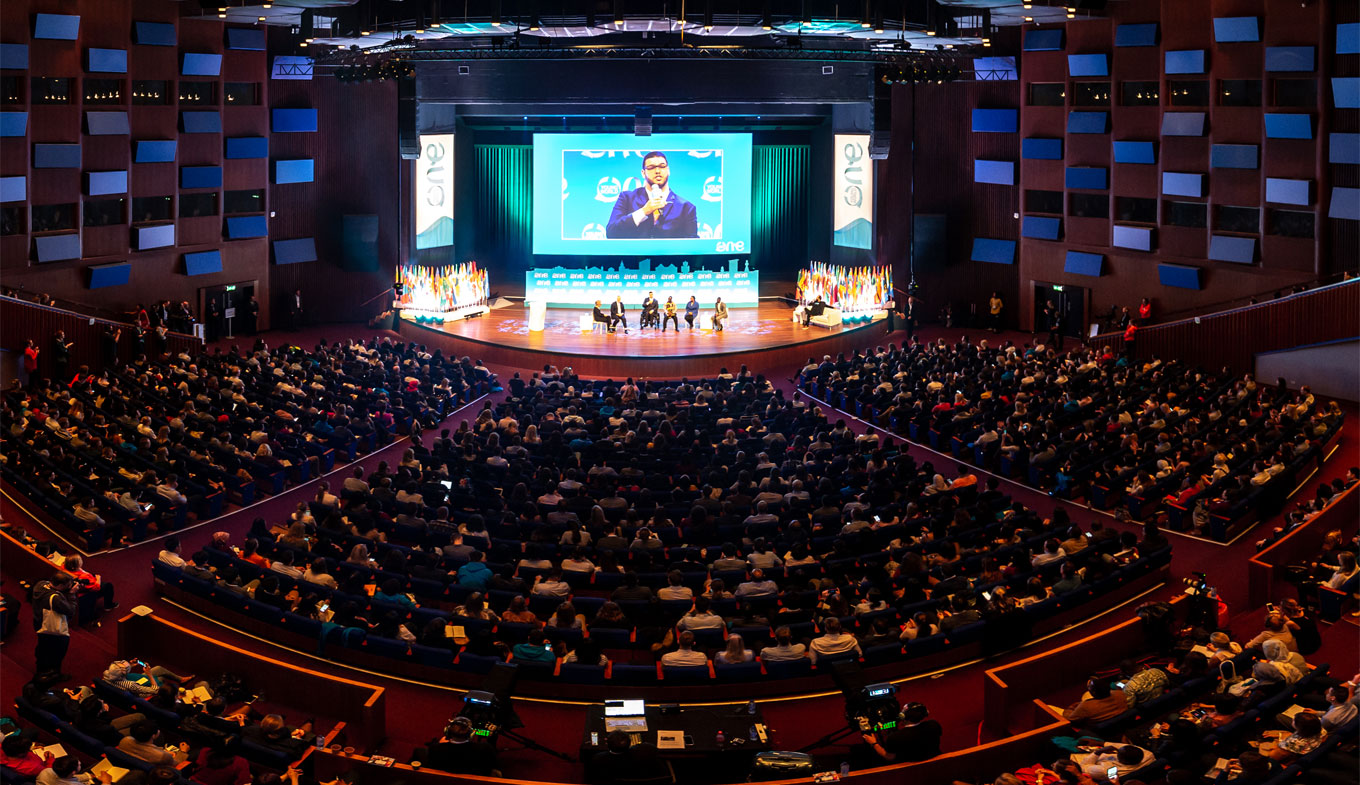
685	655
701	617
1125	759
676	590
758	586
552	586
834	641
171	554
170	490
784	649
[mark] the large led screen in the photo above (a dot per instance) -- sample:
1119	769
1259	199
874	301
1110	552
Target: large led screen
661	195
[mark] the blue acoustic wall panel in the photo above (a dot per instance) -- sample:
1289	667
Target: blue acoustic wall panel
1345	204
56	156
1290	58
1183	123
153	33
1182	184
104	275
60	27
1343	148
1179	276
1088	65
242	226
109	61
241	38
153	151
107	123
1346	92
203	263
1091	178
201	122
1038	227
1227	248
1088	122
1078	263
304	120
144	237
1135	152
302	249
201	64
1281	191
1136	35
57	247
994	172
13	123
1047	40
1288	126
986	121
247	147
200	177
1348	38
986	249
13	189
1233	156
1138	238
295	171
1185	61
1035	148
104	183
1234	29
14	57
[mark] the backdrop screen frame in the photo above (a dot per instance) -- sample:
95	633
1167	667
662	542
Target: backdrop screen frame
580	176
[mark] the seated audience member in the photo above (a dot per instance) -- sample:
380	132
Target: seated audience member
274	734
735	651
587	652
458	751
535	649
1105	703
171	553
93	718
66	771
834	641
144	742
1124	759
88	582
1279	666
700	617
1284	746
1276	628
784	649
17	755
917	738
623	761
136	677
1142	684
685	655
221	764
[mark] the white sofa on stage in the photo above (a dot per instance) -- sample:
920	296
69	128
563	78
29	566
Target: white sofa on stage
830	317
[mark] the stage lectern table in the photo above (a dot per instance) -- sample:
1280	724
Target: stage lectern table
538	314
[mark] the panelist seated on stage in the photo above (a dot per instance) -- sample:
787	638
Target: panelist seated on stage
653	210
650	311
813	310
599	316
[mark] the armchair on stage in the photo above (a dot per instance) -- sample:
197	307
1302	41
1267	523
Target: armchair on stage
829	295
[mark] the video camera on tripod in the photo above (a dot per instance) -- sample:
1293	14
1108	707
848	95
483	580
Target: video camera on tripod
874	709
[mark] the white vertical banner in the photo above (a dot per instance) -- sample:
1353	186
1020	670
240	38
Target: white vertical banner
434	191
853	219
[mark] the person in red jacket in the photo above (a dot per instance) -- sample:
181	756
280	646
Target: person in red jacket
31	352
1145	310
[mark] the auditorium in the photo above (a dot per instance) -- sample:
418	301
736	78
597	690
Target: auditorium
679	392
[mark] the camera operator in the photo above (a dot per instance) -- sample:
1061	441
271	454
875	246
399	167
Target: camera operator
458	751
916	737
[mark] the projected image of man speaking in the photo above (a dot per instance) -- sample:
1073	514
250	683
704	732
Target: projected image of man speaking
654	210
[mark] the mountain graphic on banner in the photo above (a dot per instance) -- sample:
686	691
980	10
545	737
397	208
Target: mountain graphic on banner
859	233
438	235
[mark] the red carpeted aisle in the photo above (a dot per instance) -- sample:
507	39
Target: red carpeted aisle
417	712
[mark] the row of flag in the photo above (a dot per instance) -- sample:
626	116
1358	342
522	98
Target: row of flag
846	288
444	288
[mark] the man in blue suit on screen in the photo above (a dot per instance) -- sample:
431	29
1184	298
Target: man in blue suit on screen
654	210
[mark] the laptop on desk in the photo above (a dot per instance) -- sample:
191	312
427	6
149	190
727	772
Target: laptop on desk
629	716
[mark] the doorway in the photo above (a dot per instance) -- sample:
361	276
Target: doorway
232	316
1070	302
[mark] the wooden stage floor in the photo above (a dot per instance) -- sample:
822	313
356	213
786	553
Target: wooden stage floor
760	337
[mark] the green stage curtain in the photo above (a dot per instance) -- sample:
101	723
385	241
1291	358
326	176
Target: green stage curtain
505	202
779	209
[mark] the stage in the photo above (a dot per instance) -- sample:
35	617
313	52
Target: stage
763	337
